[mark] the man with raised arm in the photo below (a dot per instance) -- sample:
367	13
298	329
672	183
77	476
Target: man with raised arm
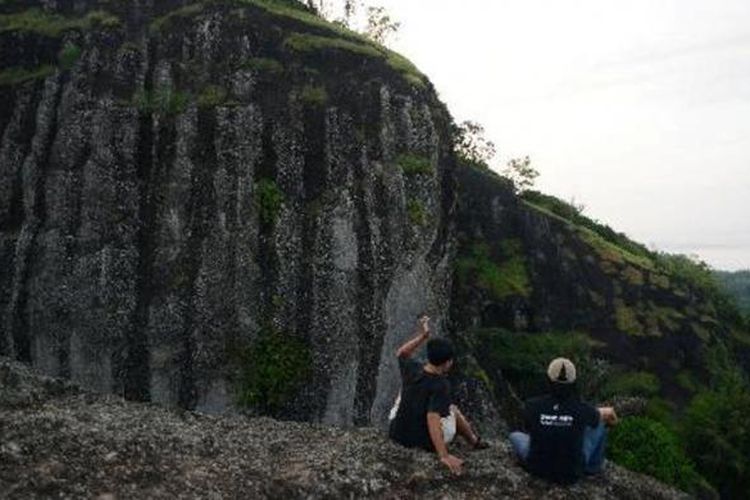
424	416
565	437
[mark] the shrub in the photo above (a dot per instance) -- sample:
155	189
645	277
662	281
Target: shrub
272	370
645	445
263	65
314	95
716	431
503	276
642	384
68	55
412	164
162	101
212	96
524	357
417	212
269	200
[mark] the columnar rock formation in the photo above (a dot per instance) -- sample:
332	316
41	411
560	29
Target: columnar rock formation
202	179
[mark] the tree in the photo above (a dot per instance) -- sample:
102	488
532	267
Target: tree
380	26
471	145
520	171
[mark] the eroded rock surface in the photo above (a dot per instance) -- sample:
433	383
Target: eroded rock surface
59	441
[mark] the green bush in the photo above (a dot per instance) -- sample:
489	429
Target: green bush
314	95
716	430
642	384
645	445
503	276
264	65
68	55
523	357
212	96
269	200
417	212
272	370
164	102
412	164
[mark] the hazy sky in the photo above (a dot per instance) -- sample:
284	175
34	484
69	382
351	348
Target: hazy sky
638	109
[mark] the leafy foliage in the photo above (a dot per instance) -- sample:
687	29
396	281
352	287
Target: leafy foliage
520	171
471	145
645	445
503	275
417	212
269	199
212	96
643	384
272	370
164	101
412	164
54	25
524	357
68	55
380	26
314	95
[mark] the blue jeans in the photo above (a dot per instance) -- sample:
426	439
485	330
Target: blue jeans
594	443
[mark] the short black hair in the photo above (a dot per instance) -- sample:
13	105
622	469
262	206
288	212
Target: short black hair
439	351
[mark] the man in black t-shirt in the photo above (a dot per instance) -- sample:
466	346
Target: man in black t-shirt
566	437
424	416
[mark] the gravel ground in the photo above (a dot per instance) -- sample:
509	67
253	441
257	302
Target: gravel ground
59	442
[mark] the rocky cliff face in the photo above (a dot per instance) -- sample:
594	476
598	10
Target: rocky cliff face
522	268
186	188
58	441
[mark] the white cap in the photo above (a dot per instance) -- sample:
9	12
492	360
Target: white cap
562	370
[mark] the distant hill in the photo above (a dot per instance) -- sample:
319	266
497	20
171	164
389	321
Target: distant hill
738	285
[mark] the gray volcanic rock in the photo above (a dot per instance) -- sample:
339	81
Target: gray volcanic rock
80	445
203	177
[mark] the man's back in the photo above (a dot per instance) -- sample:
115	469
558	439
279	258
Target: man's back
556	427
421	393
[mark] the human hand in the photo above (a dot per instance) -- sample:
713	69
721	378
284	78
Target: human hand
455	464
609	416
423	325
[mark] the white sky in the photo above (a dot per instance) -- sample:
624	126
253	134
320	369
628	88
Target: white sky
638	109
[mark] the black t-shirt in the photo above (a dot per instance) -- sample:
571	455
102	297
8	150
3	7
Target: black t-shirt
421	393
556	428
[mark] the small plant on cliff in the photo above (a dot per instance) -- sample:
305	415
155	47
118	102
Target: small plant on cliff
269	200
417	212
412	164
212	96
68	55
163	101
314	95
272	370
504	275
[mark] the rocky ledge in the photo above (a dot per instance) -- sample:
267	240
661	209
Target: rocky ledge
59	441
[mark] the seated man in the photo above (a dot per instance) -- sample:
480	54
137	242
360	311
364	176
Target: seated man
424	416
566	437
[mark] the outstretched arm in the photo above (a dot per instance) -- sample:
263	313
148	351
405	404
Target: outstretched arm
421	334
455	464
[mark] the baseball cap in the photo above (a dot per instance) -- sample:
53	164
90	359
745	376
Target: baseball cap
562	371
